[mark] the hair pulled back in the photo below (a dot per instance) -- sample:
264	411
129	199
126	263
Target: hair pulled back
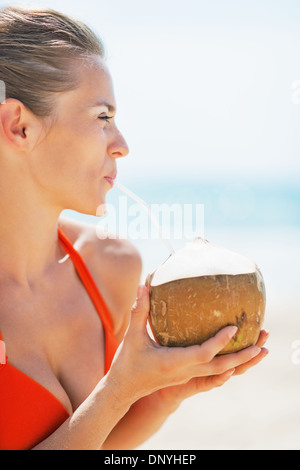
38	52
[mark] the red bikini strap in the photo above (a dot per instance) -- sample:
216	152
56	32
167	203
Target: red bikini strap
88	281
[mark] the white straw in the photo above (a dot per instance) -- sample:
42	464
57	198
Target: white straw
147	209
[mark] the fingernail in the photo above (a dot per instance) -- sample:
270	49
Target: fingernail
229	373
232	331
256	350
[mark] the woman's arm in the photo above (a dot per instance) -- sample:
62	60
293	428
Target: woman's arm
148	414
146	417
142	368
91	423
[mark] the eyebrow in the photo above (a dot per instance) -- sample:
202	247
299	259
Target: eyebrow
110	107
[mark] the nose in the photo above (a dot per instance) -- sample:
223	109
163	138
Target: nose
118	147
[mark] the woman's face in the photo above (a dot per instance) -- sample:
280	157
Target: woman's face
76	162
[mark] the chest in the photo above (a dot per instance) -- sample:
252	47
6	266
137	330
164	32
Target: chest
55	337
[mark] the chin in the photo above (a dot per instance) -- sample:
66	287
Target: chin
90	201
95	207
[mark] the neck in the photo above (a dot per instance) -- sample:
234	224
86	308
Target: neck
29	245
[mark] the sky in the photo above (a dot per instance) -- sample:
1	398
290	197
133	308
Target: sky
203	87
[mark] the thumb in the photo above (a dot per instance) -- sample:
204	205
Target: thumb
140	308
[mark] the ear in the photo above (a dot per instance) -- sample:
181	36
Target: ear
18	126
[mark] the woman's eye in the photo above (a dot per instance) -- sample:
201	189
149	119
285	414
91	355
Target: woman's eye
105	118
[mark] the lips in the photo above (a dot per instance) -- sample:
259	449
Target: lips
111	178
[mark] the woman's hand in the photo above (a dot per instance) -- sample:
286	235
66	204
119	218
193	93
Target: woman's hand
142	367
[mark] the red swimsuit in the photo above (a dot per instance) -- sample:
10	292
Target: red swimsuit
29	413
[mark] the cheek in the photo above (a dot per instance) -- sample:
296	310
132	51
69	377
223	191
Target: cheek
69	165
80	150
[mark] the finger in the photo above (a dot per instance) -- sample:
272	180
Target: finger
214	381
264	335
204	353
140	309
253	362
210	348
204	384
234	360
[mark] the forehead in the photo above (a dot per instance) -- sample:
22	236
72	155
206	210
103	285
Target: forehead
94	86
96	82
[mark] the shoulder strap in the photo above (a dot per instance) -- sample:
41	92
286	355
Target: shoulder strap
96	297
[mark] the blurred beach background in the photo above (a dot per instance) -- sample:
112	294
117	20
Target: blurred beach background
208	96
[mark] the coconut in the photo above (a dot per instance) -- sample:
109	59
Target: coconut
202	288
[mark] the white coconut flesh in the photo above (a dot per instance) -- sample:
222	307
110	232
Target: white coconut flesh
202	288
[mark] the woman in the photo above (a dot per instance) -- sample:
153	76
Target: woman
63	385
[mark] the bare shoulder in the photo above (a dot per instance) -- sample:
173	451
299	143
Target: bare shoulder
118	252
115	265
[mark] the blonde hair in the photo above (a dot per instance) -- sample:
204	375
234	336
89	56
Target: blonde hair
38	51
